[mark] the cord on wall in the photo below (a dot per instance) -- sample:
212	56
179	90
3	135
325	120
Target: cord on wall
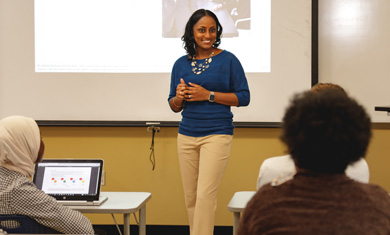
152	158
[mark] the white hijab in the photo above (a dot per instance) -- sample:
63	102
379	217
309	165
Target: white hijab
20	141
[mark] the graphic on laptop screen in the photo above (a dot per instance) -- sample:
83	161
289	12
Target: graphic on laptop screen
66	180
68	177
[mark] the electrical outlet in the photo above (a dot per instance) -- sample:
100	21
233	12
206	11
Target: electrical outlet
103	177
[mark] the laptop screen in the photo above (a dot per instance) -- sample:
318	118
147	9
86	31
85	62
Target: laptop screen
69	179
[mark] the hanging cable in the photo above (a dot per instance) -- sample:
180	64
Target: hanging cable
152	158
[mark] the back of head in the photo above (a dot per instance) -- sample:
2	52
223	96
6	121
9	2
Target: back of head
325	131
319	87
19	144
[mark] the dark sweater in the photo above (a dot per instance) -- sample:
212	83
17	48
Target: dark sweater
314	203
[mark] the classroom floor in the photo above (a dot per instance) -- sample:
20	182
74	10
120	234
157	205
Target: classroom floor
160	229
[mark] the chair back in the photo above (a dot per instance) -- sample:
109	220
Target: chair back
21	224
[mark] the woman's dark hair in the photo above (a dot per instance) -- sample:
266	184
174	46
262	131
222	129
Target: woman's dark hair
325	131
188	37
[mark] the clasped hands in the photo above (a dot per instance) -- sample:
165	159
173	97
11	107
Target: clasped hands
191	92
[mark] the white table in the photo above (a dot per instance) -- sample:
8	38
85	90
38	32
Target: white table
237	205
122	203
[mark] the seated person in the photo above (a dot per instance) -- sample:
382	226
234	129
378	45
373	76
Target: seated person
324	133
283	166
278	167
21	147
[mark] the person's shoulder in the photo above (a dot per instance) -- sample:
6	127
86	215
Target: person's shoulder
269	190
16	182
24	186
373	189
359	171
368	194
229	57
182	59
179	63
267	194
19	185
228	54
279	164
13	177
278	159
275	168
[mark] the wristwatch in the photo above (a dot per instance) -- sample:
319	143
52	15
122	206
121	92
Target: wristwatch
211	96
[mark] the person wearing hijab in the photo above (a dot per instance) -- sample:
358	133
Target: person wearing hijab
21	147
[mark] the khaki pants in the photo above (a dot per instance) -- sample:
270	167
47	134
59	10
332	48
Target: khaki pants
202	163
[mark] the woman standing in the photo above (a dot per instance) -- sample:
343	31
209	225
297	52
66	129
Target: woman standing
205	83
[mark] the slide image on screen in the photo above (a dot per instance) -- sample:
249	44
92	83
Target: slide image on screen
62	180
233	15
138	36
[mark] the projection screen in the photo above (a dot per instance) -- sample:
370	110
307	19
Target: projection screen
108	62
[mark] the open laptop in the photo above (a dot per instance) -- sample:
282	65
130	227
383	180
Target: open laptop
73	182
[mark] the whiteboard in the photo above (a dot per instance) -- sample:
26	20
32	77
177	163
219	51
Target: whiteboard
142	97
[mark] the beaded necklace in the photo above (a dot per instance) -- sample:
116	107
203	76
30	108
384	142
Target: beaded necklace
199	68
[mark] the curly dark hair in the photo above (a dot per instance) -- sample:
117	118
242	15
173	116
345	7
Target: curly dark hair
188	37
325	131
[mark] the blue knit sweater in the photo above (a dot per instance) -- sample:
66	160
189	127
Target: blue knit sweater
225	74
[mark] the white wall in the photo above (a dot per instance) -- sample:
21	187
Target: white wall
354	50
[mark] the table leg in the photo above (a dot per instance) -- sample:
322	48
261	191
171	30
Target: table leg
236	222
142	220
126	224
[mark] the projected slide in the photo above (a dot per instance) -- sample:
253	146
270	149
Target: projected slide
138	36
65	180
